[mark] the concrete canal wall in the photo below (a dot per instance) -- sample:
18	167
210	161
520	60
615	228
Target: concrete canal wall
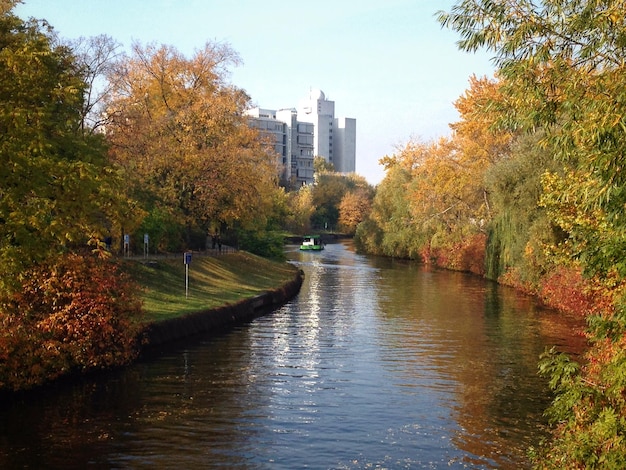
215	319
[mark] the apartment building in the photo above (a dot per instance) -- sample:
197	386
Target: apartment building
300	134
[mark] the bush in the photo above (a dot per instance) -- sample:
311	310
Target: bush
74	315
466	255
268	244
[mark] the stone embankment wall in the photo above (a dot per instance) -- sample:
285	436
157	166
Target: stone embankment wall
216	319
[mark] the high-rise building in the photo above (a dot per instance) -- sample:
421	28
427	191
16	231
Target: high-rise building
311	130
344	157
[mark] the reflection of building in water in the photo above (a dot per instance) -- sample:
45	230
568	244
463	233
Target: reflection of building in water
339	287
311	130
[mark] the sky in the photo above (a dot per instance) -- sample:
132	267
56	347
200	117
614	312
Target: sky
387	63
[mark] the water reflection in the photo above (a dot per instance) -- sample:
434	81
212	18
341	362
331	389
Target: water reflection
376	364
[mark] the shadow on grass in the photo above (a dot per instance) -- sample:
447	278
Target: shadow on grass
213	282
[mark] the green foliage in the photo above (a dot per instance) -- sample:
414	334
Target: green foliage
269	244
563	68
368	237
56	190
79	313
560	370
327	194
388	229
520	228
590	429
165	231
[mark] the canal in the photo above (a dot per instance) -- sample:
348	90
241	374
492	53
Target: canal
375	364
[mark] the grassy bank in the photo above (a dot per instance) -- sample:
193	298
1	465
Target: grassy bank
213	282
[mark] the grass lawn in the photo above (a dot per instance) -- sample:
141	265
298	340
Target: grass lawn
213	282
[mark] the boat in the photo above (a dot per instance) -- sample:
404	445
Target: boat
312	243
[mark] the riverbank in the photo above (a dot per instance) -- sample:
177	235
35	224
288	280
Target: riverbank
216	292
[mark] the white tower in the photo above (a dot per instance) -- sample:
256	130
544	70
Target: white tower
334	139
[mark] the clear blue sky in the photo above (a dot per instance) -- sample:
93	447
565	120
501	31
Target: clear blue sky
387	63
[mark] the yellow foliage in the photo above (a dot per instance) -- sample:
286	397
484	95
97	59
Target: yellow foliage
178	129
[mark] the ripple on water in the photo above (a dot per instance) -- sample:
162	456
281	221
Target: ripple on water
375	364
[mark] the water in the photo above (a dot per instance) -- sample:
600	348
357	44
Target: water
376	364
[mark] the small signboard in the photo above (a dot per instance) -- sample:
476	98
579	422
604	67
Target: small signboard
188	257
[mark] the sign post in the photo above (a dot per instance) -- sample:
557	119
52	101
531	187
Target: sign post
126	245
146	245
187	263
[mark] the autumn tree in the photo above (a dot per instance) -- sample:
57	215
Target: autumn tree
61	308
440	210
301	207
328	191
177	128
447	195
437	209
56	190
478	144
389	228
564	72
73	313
320	165
353	209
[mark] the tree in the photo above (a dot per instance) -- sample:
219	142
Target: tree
320	165
441	209
75	313
97	57
521	229
448	197
301	210
178	130
563	68
329	189
478	144
56	190
60	310
389	229
564	71
353	208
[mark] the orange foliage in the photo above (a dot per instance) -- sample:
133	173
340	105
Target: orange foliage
566	290
353	208
179	130
467	255
76	315
513	279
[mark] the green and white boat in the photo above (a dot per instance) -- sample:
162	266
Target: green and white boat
312	243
